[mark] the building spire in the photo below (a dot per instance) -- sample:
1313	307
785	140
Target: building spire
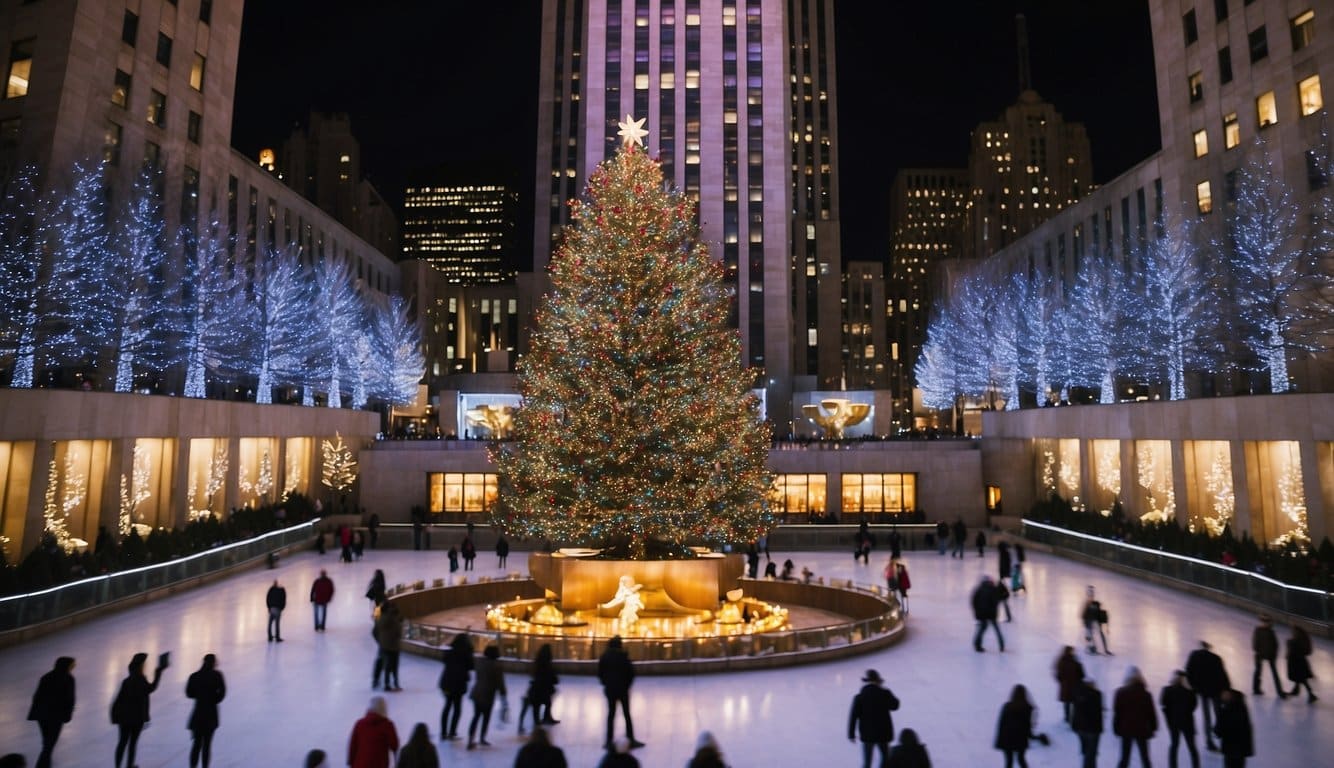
1021	35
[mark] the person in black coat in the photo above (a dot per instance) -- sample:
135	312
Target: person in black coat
1264	646
986	599
617	673
276	601
130	709
1015	727
53	705
1086	720
1178	702
207	688
1205	671
539	752
541	689
502	550
1003	563
454	683
1233	729
1299	664
870	718
910	752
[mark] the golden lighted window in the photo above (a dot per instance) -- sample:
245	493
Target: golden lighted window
461	492
1231	131
876	493
1196	87
1266	109
1309	90
799	495
197	73
1303	30
1201	143
20	68
1204	199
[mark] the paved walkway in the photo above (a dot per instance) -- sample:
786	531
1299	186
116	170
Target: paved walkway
284	699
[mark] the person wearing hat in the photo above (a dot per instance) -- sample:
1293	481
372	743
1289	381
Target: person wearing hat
1264	645
1178	702
870	717
986	600
1205	671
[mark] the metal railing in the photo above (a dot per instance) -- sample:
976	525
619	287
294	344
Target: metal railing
1314	604
23	610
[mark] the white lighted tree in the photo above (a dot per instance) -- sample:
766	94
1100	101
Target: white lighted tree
1222	500
134	490
1279	280
20	274
339	314
1099	305
282	321
1177	311
215	309
1040	338
54	516
138	297
397	351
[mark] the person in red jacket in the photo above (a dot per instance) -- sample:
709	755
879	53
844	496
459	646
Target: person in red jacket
321	594
374	740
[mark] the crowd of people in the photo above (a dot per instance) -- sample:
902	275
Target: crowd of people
1202	683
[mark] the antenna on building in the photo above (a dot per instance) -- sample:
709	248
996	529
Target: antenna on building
1021	35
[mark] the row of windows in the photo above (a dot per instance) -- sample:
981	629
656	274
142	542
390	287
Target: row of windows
1301	27
1302	32
1310	101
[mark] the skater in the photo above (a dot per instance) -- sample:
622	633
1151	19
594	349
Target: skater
1086	720
374	738
1235	737
985	603
1178	702
373	525
752	560
1094	615
207	688
788	568
389	638
129	712
960	532
708	754
1014	729
1069	675
617	673
375	592
1264	646
1133	717
981	543
489	682
358	545
541	689
1003	597
345	541
771	570
870	717
1003	563
1299	664
453	559
539	752
910	752
1017	579
865	541
905	584
1205	671
502	550
419	752
276	600
469	551
942	536
321	594
53	706
454	683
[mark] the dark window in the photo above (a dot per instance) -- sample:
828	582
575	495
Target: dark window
1196	84
111	144
1224	65
1259	44
163	50
1317	175
9	132
129	28
206	11
1192	32
1230	185
1303	30
192	127
152	155
1220	9
120	92
157	108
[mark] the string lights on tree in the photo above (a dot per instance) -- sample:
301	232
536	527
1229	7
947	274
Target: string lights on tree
638	430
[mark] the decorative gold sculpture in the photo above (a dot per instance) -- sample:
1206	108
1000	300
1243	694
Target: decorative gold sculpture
497	419
628	597
842	413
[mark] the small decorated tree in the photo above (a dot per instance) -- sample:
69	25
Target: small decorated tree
638	432
340	468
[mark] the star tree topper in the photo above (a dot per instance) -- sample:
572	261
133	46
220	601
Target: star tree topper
632	130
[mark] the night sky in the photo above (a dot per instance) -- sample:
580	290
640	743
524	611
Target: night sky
451	86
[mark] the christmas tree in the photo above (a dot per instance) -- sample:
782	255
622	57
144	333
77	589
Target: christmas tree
638	432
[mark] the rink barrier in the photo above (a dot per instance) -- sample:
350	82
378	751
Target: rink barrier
66	602
875	621
1214	580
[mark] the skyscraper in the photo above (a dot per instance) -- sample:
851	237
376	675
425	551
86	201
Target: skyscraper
465	231
738	95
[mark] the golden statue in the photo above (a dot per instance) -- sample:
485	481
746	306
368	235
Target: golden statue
842	413
497	419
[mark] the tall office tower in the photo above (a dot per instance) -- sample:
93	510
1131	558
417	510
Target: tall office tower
864	326
1024	167
715	80
466	232
323	162
816	250
150	83
928	209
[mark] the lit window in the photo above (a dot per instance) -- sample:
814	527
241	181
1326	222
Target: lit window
20	68
120	91
1196	85
1231	131
1204	199
1309	90
641	82
1266	110
344	159
111	144
157	108
667	80
1201	143
197	73
1303	30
